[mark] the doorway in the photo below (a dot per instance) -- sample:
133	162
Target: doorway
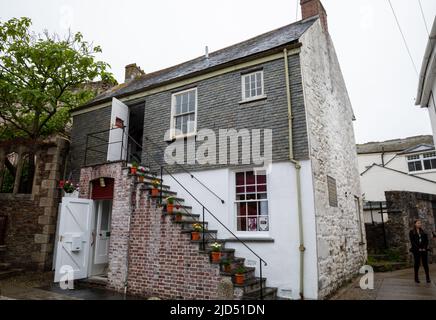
101	231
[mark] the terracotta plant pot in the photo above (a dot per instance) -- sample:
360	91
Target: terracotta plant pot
216	256
195	235
155	192
227	268
179	217
133	170
239	278
170	208
141	178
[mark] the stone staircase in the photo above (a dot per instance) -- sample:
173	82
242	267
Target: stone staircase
251	289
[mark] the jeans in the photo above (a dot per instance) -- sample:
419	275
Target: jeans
421	257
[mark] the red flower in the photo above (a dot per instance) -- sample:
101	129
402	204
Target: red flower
61	184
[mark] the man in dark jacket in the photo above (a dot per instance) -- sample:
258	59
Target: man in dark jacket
419	241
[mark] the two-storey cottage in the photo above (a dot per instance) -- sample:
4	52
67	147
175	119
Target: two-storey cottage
292	224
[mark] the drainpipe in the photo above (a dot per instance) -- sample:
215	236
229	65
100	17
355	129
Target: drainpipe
297	165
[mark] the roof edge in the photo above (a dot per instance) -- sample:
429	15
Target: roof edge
291	45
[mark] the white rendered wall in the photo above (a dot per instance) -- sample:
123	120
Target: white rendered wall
282	255
377	180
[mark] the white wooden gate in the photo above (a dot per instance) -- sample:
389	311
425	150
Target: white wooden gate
74	238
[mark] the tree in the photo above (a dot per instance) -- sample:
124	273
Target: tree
42	78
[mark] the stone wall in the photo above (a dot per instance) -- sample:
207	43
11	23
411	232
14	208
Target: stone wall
403	208
30	232
340	230
163	261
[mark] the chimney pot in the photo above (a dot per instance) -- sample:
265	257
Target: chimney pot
132	72
312	8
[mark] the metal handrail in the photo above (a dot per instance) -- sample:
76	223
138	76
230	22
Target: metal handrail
204	208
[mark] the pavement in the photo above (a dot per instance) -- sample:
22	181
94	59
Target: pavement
40	286
396	285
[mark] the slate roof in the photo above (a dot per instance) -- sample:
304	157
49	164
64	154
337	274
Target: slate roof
396	145
267	41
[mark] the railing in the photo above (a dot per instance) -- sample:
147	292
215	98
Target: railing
163	169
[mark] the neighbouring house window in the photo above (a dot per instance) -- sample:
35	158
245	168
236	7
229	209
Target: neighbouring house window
251	202
333	192
183	113
420	162
252	85
429	160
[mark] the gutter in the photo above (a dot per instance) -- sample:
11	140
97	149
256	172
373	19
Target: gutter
297	165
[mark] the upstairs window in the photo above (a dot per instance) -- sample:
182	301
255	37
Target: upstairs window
184	113
252	85
251	202
429	160
421	162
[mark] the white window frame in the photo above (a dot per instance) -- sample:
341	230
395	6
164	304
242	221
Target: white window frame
421	157
243	80
173	114
236	213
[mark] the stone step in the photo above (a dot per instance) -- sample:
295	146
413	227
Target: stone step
235	263
96	281
3	248
250	286
268	294
187	217
249	274
10	273
4	266
177	201
187	224
165	189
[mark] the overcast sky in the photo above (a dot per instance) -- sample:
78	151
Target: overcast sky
380	77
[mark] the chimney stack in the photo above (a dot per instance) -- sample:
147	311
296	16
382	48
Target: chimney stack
312	8
132	72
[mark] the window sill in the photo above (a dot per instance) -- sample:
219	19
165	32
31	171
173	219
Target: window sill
172	139
259	98
251	239
422	172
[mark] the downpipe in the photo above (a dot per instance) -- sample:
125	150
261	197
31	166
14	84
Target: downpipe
297	166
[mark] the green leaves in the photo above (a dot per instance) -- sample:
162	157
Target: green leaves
43	78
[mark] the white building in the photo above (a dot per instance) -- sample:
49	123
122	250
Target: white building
427	80
396	165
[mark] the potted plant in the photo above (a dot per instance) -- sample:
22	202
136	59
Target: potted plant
170	205
141	175
69	189
134	168
178	216
227	266
240	275
216	251
195	235
155	187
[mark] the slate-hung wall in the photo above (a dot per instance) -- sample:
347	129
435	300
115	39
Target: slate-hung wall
83	124
219	107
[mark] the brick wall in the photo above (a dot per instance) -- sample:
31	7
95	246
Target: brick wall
121	210
163	261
